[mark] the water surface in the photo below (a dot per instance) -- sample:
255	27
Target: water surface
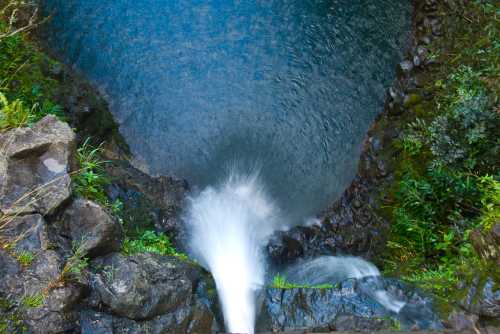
286	86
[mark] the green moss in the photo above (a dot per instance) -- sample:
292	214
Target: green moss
281	282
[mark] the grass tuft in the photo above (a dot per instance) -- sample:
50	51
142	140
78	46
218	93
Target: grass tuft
281	282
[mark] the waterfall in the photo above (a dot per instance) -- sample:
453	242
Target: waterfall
229	225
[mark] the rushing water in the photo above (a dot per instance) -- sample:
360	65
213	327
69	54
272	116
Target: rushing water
229	224
285	86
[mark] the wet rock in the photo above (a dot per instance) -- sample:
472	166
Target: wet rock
147	286
482	298
94	230
9	272
34	167
284	248
345	228
27	233
406	66
189	319
348	306
93	322
57	313
148	200
460	321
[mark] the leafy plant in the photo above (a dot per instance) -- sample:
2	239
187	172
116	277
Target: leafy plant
25	258
151	242
75	266
91	179
33	301
13	114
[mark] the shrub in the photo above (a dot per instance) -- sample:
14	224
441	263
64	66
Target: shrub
447	176
91	179
13	114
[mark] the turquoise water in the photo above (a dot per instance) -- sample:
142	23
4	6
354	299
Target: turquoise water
200	87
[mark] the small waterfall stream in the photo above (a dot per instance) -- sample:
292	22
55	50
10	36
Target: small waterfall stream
229	226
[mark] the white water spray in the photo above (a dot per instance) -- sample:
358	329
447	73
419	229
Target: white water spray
229	226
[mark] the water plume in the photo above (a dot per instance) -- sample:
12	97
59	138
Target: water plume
229	225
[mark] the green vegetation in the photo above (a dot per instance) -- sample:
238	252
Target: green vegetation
27	93
151	242
33	301
10	320
75	265
89	182
447	173
25	258
281	282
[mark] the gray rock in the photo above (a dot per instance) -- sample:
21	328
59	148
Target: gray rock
92	322
148	201
482	298
57	314
64	298
41	320
9	273
348	306
186	320
488	304
146	286
95	231
460	321
27	233
34	166
406	66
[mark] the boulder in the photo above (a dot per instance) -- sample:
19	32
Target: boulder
483	298
93	229
350	305
185	320
152	290
27	233
34	167
57	312
148	201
